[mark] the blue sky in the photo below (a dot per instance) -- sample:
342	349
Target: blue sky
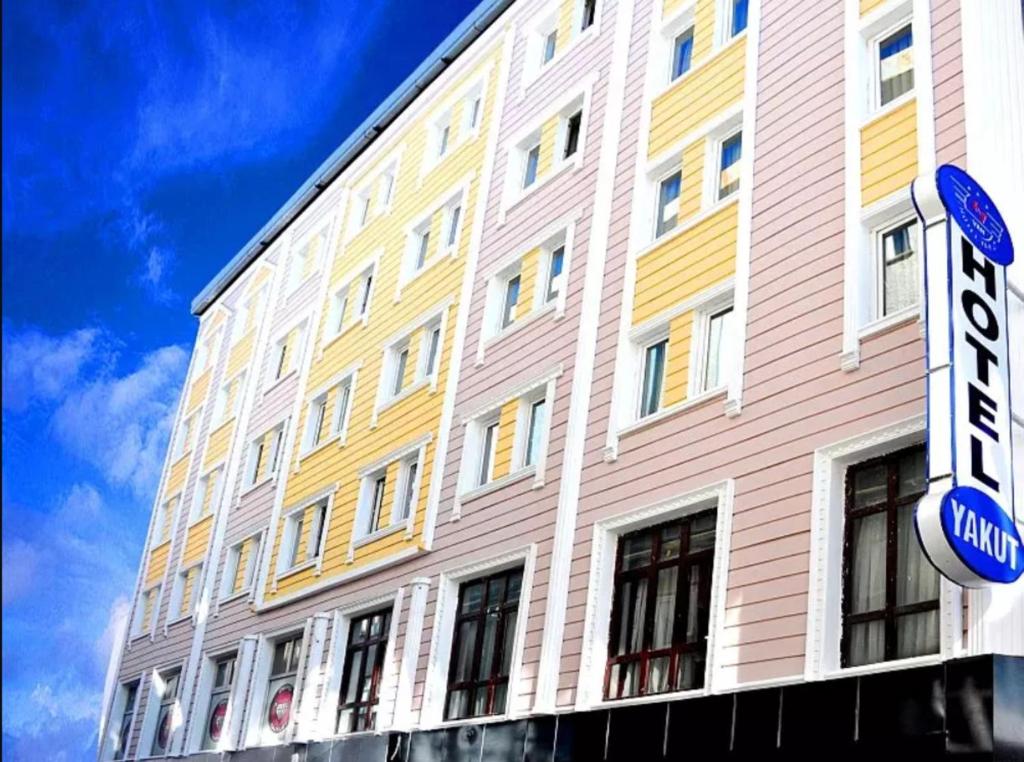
143	144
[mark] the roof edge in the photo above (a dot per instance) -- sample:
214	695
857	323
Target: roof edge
442	57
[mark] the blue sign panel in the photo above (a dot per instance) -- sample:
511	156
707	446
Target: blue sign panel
982	535
975	213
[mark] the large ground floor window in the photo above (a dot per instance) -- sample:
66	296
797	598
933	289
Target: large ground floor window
364	665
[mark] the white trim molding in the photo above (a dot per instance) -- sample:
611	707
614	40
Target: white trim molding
597	620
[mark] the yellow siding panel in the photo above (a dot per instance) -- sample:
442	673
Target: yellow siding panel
506	438
548	138
217	447
198	538
176	478
677	372
243	560
158	562
199	388
527	281
866	6
686	264
703	28
888	160
566	11
707	91
692	180
240	354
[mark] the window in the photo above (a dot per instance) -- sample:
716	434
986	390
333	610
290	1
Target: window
229	400
264	454
471	110
410	487
662	603
422	246
363	209
365	291
550	46
284	668
452	215
342	401
554	279
207	494
364	668
898	284
123	738
442	134
317	532
588	14
485	632
240	569
729	166
668	202
144	611
305	261
315	518
653	377
162	521
682	53
166	685
531	164
183	442
401	360
376	514
223	676
429	350
287	352
315	421
508	308
891	591
387	189
488	447
185	599
717	350
895	65
737	16
535	431
572	134
339	306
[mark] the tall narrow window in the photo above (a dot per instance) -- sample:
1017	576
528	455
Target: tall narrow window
364	209
338	310
401	360
364	667
717	348
376	517
411	486
341	404
508	308
899	283
453	224
738	17
490	443
167	691
294	534
653	377
317	531
433	343
281	361
284	668
276	437
550	45
485	632
588	15
572	134
729	171
364	294
387	187
123	738
223	676
891	591
668	202
555	263
442	139
682	53
423	247
473	108
530	169
317	413
661	608
240	568
535	432
896	65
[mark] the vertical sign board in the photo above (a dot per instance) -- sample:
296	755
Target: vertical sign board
965	522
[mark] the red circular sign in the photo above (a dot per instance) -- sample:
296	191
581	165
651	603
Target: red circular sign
164	734
280	708
217	720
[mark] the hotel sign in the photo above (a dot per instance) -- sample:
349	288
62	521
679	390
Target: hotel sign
966	520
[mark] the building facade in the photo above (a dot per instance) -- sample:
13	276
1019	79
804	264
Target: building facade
575	408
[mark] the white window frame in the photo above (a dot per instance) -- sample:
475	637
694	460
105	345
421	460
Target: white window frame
664	51
174	613
160	521
251	304
700	335
424	371
292	522
664	171
597	619
299	254
716	139
878	267
404	488
118	710
368	475
469	130
316	417
641	343
436	684
894	19
444	114
301	327
862	277
184	437
536	44
254	733
252	475
521	438
438	315
723	24
152	714
156	590
438	250
231	563
828	515
202	485
205	695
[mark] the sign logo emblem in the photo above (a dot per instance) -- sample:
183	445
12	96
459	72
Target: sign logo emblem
217	720
280	708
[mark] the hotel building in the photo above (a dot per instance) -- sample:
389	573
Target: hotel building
574	409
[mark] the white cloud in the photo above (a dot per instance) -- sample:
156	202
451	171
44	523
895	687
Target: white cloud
20	564
41	367
120	424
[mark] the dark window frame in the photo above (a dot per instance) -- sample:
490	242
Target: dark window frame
891	506
494	677
364	711
685	561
